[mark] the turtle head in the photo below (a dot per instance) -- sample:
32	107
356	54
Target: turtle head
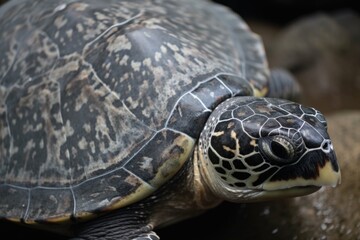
256	149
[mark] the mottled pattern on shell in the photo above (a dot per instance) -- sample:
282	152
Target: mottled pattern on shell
93	96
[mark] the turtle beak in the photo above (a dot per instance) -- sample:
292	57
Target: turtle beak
323	172
328	175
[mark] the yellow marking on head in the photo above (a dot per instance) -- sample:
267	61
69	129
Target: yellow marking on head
233	136
226	148
218	134
253	143
240	113
230	125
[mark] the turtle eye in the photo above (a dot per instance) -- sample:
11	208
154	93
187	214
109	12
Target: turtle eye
278	149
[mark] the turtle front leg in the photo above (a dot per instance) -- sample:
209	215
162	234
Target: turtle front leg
283	85
131	223
143	233
147	236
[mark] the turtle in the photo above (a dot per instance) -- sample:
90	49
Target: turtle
118	117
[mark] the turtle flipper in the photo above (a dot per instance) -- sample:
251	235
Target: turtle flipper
283	85
147	236
122	224
145	233
141	235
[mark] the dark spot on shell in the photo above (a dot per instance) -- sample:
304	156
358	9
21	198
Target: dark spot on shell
117	103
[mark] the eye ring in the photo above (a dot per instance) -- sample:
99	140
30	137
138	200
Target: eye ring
277	149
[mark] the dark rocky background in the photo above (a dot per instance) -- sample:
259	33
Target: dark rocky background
319	42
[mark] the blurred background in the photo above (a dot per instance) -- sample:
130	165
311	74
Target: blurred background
319	42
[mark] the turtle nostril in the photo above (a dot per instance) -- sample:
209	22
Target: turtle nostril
326	146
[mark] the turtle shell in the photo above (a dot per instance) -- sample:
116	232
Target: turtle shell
101	102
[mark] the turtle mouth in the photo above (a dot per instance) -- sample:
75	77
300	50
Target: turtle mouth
286	192
261	195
